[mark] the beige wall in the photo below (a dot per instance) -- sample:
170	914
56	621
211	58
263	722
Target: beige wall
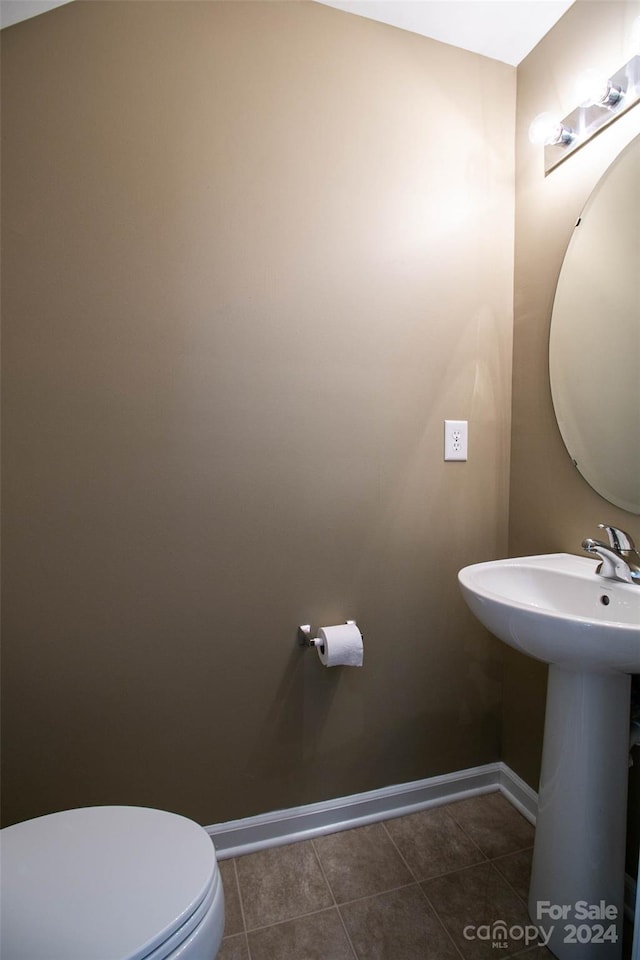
551	507
254	254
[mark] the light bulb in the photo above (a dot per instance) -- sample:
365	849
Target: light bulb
546	129
593	87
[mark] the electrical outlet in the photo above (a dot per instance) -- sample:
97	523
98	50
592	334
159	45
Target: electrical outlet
455	439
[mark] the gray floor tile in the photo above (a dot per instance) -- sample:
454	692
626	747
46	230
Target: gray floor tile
361	862
319	936
432	843
476	901
232	912
493	823
234	948
399	925
281	883
516	868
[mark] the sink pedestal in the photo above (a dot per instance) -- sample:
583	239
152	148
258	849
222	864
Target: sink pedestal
558	609
579	853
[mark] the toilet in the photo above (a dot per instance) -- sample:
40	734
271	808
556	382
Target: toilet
109	883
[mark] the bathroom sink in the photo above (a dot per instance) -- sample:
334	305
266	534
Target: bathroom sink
556	608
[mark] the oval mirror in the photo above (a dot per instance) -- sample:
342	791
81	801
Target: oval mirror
594	344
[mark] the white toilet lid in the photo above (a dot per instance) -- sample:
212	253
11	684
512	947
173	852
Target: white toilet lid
100	883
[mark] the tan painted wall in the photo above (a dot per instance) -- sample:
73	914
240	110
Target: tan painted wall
551	507
254	254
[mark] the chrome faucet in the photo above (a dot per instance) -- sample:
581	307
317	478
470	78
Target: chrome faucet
620	559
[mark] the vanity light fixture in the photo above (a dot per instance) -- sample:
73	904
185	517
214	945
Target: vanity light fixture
602	100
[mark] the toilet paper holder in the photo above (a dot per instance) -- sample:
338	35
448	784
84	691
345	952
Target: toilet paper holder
306	640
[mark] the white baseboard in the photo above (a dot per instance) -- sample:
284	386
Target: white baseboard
237	837
523	797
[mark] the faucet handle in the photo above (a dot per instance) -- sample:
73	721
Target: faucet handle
618	539
613	566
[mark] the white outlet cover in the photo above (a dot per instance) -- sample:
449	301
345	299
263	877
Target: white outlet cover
455	439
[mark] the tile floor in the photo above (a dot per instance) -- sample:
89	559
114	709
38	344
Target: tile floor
404	889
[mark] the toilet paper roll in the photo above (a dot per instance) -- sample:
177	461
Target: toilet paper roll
341	645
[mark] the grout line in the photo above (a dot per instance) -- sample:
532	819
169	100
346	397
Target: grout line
349	940
445	808
297	916
492	860
441	922
511	887
473	842
244	920
445	873
335	902
535	946
529	846
496	860
323	871
380	893
450	873
468	836
399	852
238	888
512	853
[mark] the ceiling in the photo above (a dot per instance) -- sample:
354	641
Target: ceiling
12	11
504	30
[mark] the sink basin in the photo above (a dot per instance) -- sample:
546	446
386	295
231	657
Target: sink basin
556	608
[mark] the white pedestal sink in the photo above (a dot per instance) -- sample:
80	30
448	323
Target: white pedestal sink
557	609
